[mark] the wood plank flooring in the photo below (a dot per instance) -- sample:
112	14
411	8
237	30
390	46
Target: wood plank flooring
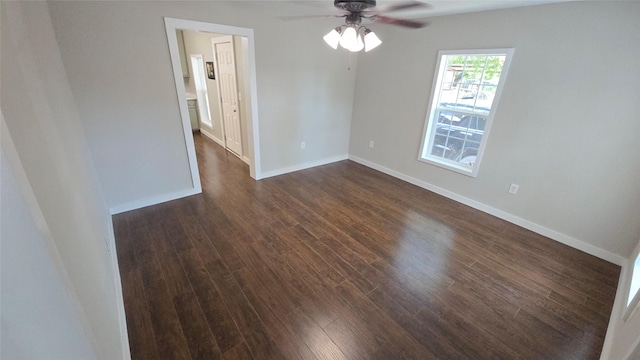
343	262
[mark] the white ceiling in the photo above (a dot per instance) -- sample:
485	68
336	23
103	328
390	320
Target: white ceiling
438	8
435	8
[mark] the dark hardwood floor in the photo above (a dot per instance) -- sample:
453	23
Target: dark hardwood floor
343	262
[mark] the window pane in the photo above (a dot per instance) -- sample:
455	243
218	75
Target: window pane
439	145
448	118
472	147
457	136
470	82
635	280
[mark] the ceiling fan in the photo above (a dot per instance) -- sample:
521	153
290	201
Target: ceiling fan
356	10
355	37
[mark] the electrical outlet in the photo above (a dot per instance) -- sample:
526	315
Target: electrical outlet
513	189
303	145
370	144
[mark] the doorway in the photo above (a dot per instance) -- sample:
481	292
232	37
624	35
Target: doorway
252	156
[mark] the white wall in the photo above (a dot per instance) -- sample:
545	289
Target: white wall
117	59
37	314
42	119
566	129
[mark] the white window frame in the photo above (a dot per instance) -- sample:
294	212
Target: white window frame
632	298
430	125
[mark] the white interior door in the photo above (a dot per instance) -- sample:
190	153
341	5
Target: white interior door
229	96
202	94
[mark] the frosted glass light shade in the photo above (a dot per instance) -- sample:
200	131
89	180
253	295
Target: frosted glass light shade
333	38
359	45
352	37
349	38
371	40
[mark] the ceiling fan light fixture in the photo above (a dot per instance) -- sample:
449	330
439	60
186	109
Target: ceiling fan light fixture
354	37
349	38
371	40
359	45
333	37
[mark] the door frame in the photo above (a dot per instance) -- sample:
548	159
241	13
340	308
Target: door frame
214	42
253	132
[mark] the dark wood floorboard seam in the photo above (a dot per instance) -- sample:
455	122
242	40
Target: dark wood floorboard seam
344	262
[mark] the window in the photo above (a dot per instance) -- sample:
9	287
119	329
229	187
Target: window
466	89
635	280
633	298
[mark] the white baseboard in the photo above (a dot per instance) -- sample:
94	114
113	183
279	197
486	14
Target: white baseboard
137	204
307	165
212	137
221	143
552	234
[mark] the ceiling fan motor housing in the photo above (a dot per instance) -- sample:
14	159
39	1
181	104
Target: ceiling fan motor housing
354	5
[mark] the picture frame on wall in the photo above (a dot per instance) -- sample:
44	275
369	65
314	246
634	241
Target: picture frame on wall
210	73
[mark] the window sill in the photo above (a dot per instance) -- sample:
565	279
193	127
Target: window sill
455	167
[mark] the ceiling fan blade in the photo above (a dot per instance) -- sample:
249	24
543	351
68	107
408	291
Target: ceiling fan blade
400	22
402	6
304	17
